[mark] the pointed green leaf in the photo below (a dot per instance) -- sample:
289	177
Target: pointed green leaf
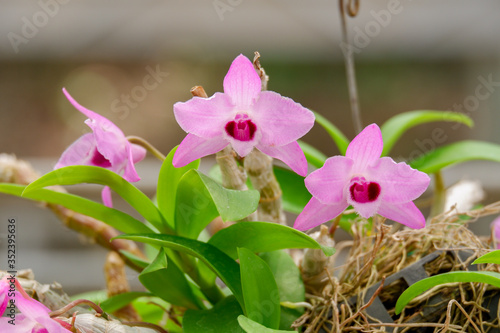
165	280
114	218
295	194
200	199
138	261
223	317
396	126
78	174
290	285
338	137
454	153
222	265
168	181
263	237
422	286
119	301
251	326
260	291
489	258
313	156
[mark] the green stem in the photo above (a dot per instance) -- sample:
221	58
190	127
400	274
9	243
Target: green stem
439	195
148	146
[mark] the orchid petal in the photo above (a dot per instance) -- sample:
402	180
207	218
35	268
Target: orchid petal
129	172
138	153
242	148
4	300
404	213
110	140
280	119
400	183
366	148
328	183
291	154
315	213
204	117
365	209
79	152
194	147
23	324
106	197
242	83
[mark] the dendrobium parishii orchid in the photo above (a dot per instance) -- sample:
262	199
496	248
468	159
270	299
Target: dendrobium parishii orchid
370	184
244	117
34	316
105	147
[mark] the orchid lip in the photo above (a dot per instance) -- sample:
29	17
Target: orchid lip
99	160
362	191
241	128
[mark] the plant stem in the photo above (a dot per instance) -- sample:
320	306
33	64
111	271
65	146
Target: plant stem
148	146
439	195
352	10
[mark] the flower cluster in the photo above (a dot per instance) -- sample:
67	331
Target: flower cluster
247	118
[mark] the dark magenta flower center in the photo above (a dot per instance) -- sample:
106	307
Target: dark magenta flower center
241	128
363	191
99	160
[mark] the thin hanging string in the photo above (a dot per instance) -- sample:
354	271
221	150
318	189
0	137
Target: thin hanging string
352	9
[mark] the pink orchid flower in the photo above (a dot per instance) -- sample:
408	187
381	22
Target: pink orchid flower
34	316
495	228
244	117
105	147
370	184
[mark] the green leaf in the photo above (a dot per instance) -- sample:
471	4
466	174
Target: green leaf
165	280
263	237
313	156
168	181
454	153
119	301
200	199
290	285
222	318
295	194
222	265
422	286
489	258
136	260
396	126
114	218
260	291
78	174
96	296
338	137
251	326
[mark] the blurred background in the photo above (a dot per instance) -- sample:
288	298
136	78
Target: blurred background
132	60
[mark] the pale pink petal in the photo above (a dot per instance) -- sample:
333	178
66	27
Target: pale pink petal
242	83
316	213
106	197
129	172
328	183
365	148
110	140
204	117
194	147
495	226
280	119
404	213
138	153
4	289
399	182
291	154
79	152
23	324
365	209
242	148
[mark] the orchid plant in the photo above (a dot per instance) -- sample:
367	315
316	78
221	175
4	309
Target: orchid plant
261	288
